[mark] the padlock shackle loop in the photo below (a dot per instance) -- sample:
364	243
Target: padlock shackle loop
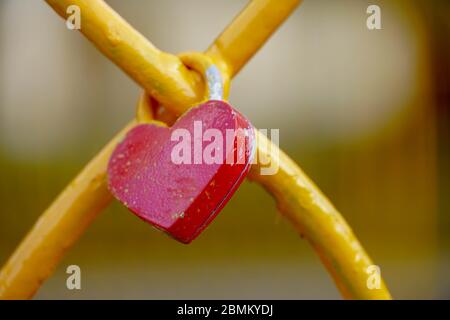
204	65
214	83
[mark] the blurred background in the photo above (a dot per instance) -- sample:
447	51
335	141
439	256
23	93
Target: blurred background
365	113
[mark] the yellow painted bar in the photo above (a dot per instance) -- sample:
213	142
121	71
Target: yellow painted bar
249	31
162	75
58	228
173	85
318	221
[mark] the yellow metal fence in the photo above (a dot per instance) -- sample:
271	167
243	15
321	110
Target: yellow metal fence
174	86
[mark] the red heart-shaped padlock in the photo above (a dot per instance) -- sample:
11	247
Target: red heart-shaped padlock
179	178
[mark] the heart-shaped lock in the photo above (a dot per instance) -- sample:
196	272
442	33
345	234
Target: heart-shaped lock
179	178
